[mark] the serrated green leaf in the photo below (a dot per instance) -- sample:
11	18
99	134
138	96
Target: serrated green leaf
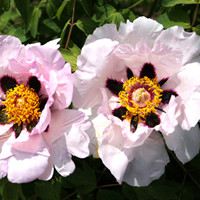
70	55
171	3
33	26
175	17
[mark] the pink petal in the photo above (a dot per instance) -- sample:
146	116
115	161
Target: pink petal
29	143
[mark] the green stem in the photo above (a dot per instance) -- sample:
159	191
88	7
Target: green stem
71	24
135	4
195	14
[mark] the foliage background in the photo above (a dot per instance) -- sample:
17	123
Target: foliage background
72	21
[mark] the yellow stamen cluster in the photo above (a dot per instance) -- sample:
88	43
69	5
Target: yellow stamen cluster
22	105
140	100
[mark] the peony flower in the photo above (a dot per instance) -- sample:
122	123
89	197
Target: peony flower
142	85
37	133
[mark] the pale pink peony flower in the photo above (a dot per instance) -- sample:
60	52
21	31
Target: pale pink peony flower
141	81
37	133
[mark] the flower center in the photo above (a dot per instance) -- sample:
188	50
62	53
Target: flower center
140	96
22	105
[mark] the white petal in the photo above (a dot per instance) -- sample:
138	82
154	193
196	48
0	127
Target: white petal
61	123
78	140
47	175
24	167
177	39
185	144
169	119
95	65
191	112
105	31
53	44
61	157
186	81
142	30
148	163
114	159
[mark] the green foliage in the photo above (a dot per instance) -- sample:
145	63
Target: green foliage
73	21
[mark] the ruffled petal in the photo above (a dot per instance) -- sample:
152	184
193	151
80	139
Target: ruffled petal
148	163
141	30
179	40
185	144
94	69
64	91
10	48
78	140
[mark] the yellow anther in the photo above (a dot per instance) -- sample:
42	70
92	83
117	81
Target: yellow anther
22	105
140	96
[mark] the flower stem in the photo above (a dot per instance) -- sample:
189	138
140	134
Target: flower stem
71	24
109	185
195	14
135	4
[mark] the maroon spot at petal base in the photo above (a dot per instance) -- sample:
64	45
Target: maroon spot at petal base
148	70
114	86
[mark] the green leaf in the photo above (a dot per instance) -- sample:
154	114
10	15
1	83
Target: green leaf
129	192
12	191
175	17
86	25
33	26
171	3
61	8
70	55
164	190
87	6
52	25
116	18
50	8
4	5
109	195
48	190
18	32
25	9
83	179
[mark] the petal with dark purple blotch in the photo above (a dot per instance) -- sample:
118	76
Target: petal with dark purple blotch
114	86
